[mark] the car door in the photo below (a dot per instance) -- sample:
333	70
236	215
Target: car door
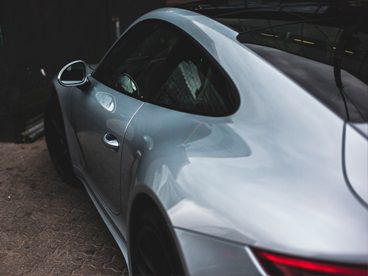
100	117
102	111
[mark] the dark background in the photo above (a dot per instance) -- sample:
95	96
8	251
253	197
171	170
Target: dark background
38	37
43	34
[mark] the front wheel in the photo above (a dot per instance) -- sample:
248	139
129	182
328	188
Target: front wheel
56	141
153	248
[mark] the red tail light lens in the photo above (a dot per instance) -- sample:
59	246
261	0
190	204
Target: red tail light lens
281	265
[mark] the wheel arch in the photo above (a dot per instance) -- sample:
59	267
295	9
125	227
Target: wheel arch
65	99
144	198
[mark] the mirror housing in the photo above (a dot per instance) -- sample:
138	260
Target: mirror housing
73	74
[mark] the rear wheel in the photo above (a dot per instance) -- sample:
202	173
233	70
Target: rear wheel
56	141
153	248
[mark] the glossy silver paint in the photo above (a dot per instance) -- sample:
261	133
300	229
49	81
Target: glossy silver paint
271	175
356	160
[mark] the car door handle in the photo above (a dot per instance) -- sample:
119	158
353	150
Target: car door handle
111	141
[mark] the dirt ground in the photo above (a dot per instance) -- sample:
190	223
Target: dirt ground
46	227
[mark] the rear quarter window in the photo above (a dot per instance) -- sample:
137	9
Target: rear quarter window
194	83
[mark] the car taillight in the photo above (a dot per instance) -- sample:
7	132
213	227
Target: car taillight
281	265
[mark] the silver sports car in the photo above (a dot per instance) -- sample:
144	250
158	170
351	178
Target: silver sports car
230	145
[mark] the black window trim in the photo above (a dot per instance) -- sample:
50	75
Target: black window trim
212	61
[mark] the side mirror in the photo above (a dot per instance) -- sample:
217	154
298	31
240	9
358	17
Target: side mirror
73	74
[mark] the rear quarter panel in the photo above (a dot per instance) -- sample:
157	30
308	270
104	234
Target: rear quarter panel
269	176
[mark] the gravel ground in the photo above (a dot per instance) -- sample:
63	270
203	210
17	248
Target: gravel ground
46	227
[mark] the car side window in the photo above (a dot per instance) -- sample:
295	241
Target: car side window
159	63
193	83
142	49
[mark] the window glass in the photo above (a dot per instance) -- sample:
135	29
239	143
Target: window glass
158	63
324	56
354	74
193	84
141	50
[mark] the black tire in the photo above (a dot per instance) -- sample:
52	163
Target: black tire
56	141
153	248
